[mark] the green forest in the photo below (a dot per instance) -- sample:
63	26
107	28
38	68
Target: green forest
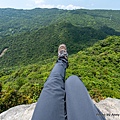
29	40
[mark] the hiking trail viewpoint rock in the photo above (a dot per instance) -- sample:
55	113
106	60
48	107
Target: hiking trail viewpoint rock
110	108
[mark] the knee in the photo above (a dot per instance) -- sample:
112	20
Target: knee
73	81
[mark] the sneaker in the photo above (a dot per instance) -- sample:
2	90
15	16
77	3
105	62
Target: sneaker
62	51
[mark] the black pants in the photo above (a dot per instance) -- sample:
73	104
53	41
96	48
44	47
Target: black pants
51	103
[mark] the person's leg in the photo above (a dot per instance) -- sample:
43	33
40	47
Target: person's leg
50	105
78	102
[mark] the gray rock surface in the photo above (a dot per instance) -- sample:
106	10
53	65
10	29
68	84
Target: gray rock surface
110	108
21	112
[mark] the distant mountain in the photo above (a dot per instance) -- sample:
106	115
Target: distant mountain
15	21
31	47
29	36
97	66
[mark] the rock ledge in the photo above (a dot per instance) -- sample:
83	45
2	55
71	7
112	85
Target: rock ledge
110	107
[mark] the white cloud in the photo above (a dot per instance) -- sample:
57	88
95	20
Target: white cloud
46	6
43	4
68	7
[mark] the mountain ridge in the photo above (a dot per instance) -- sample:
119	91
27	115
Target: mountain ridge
25	32
30	47
10	22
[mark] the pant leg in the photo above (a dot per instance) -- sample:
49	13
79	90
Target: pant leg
78	102
50	105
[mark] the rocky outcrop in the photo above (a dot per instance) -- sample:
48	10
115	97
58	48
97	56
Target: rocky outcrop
110	108
21	112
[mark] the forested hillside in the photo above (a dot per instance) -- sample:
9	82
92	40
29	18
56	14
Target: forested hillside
14	21
29	40
36	45
97	66
31	47
29	36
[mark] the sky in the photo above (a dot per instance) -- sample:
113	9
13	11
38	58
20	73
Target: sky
61	4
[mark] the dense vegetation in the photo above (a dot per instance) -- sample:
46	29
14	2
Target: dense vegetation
16	21
29	40
97	66
33	35
31	47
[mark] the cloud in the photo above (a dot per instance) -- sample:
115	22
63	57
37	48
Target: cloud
43	4
68	7
46	6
